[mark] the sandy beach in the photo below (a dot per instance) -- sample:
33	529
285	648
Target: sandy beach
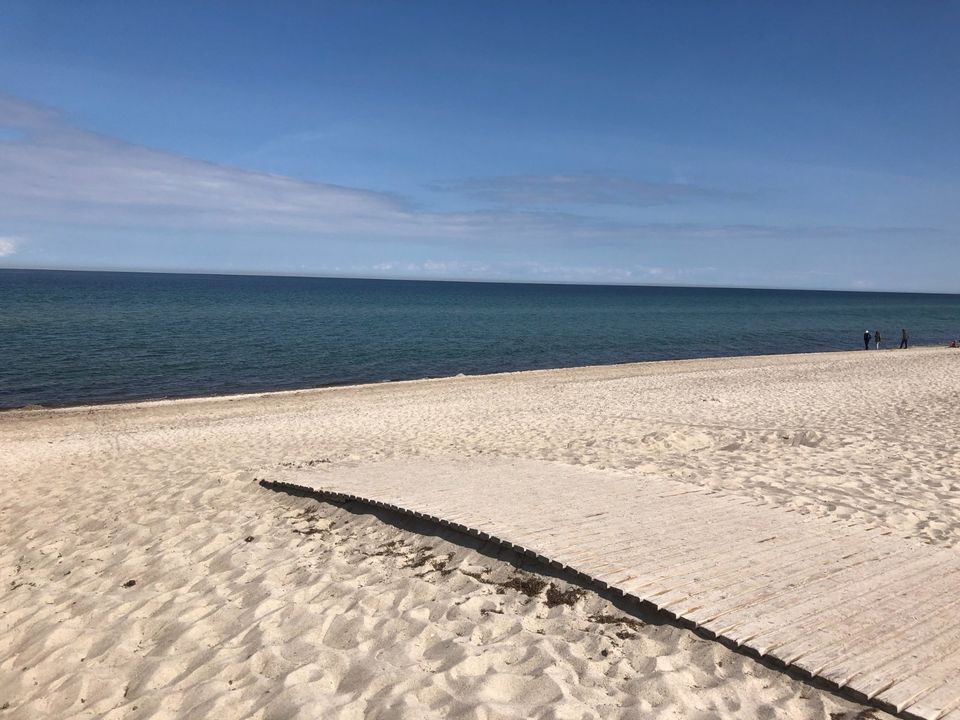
147	574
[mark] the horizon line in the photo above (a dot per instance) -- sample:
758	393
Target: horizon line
575	283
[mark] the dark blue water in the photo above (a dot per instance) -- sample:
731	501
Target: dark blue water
84	337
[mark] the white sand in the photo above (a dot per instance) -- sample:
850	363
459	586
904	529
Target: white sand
330	613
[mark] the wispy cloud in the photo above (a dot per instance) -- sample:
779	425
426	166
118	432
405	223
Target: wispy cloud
529	271
631	274
431	268
79	176
556	190
8	246
54	173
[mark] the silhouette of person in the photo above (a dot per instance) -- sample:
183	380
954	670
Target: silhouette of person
876	336
903	338
866	339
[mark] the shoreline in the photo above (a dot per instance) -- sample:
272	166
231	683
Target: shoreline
347	385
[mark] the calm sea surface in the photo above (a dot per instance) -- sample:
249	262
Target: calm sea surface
83	337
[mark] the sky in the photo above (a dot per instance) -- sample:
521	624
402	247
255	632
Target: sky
801	145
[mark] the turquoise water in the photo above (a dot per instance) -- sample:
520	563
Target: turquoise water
84	337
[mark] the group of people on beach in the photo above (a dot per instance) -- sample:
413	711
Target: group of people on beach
904	339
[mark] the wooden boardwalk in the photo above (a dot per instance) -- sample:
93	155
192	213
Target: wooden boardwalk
862	608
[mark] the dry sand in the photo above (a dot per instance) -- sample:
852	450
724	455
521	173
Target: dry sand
145	573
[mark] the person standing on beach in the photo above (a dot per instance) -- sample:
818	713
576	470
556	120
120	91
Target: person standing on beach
876	336
903	338
866	339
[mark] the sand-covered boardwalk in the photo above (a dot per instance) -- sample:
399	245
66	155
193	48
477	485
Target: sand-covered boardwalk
857	606
146	573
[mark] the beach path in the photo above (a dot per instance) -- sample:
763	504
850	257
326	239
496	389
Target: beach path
858	606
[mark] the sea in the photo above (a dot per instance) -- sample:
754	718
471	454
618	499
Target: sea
69	338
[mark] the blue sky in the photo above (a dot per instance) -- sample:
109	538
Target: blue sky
808	145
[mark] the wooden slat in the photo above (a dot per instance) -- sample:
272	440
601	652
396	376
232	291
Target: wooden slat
843	596
857	606
911	611
801	571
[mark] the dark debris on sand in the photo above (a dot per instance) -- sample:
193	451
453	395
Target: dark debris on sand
570	596
529	586
627	622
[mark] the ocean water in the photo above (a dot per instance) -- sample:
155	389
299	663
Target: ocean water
86	337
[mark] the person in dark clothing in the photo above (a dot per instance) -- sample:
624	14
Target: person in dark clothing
903	338
877	338
866	339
